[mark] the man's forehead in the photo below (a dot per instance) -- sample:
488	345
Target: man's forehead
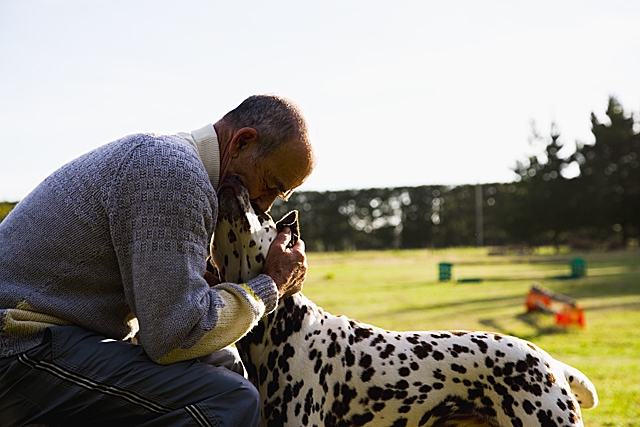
289	167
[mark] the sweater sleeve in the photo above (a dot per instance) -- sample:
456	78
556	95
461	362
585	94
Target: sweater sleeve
163	211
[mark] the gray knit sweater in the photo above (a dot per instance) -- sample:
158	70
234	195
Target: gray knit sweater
118	238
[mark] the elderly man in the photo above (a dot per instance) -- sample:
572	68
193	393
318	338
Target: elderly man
114	243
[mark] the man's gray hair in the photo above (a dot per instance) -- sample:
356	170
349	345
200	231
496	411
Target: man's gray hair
277	120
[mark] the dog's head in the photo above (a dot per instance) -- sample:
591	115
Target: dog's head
243	234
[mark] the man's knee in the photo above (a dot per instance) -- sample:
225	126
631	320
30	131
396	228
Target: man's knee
238	406
250	396
227	357
252	404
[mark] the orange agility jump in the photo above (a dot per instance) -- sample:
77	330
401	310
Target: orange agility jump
566	310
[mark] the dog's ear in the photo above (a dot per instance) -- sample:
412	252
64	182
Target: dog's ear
211	267
290	220
212	275
233	201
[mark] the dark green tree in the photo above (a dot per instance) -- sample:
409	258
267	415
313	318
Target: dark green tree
418	224
545	203
610	174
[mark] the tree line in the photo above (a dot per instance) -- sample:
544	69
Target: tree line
590	197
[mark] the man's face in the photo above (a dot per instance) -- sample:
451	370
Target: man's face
276	175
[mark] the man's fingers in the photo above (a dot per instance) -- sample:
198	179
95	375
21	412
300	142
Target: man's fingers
286	266
299	245
283	238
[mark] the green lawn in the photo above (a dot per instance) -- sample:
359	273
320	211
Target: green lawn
399	290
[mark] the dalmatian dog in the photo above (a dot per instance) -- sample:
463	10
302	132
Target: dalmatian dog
316	369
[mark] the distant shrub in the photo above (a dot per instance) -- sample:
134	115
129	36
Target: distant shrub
5	208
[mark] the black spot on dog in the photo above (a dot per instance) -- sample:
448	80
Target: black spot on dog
404	372
422	350
379	406
361	334
365	360
367	374
482	346
438	356
387	351
546	419
361	419
458	368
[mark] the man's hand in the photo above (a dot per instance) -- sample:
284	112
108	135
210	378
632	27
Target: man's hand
286	266
211	279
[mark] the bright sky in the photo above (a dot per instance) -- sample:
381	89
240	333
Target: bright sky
396	93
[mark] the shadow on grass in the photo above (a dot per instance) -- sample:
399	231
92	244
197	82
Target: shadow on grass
619	307
449	304
539	322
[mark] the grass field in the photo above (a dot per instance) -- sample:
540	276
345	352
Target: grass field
399	290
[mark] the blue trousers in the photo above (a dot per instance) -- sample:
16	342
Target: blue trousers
78	378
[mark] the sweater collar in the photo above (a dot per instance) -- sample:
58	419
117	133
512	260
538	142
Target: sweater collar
205	141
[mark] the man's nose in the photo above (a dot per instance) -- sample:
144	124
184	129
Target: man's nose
265	202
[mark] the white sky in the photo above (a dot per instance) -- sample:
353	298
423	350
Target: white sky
396	93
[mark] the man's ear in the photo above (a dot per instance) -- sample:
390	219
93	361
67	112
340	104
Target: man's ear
242	139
